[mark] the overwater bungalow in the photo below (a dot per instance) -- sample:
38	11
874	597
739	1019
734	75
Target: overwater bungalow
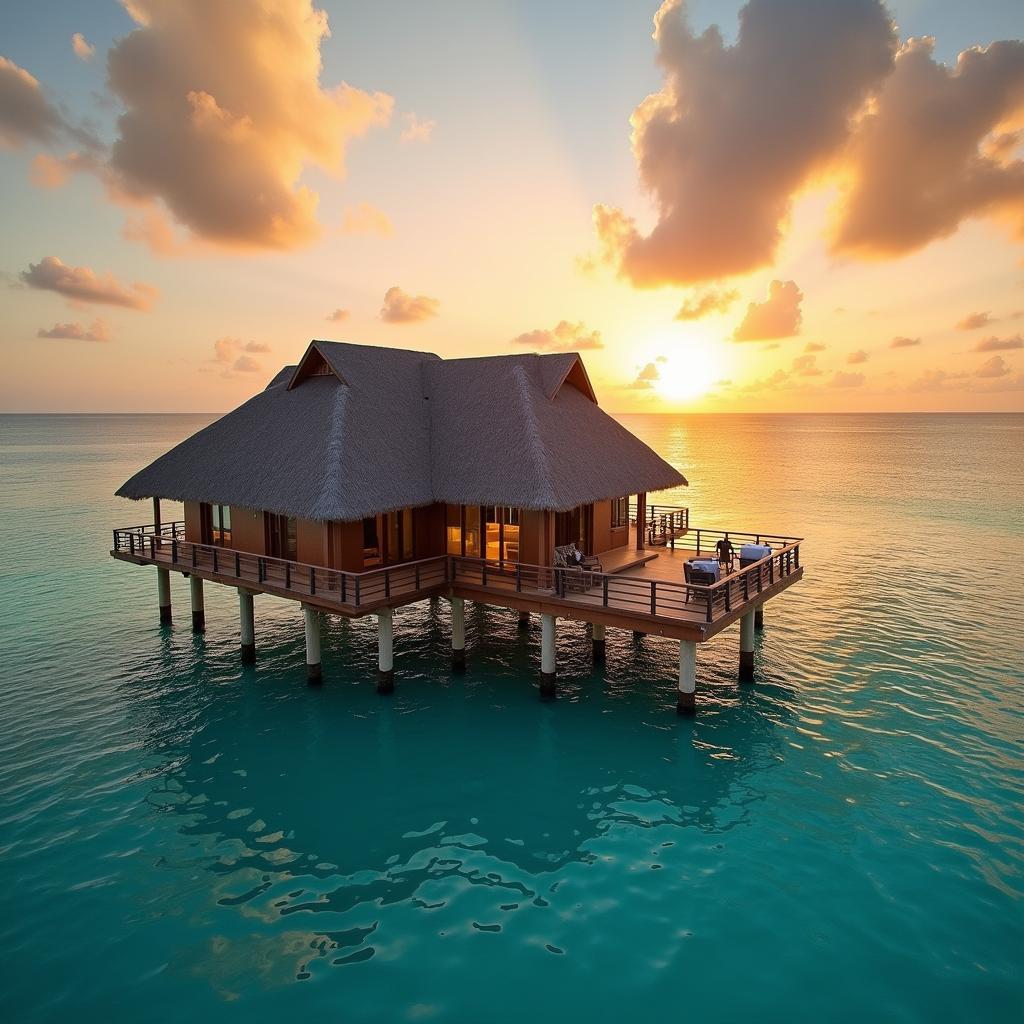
368	478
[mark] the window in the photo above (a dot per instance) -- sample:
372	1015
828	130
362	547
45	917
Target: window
454	529
472	531
220	525
620	512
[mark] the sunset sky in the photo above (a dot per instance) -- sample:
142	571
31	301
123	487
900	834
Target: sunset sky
783	205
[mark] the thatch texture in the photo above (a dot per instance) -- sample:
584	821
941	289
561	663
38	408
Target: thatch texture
390	429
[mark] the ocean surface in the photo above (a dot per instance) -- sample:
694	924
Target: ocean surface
182	838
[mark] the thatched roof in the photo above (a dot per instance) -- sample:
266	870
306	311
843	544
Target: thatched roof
354	430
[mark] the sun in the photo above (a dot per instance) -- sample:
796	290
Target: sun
690	368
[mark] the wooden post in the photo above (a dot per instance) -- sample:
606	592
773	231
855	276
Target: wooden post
247	626
385	652
547	656
311	622
747	647
524	617
195	586
759	616
686	700
458	634
641	520
598	642
163	587
156	515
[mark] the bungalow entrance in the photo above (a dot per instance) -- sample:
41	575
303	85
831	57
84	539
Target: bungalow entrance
388	538
576	527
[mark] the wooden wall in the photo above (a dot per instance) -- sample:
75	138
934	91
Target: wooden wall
311	542
247	531
345	546
605	536
193	523
429	531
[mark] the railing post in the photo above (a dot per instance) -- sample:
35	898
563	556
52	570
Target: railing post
215	560
238	566
483	573
746	586
417	576
312	580
728	595
604	591
519	578
194	556
698	542
174	551
710	600
152	547
357	590
344	587
131	543
796	555
654	597
387	582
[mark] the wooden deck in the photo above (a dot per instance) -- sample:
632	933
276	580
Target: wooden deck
640	590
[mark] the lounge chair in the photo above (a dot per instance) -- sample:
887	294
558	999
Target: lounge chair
576	575
696	578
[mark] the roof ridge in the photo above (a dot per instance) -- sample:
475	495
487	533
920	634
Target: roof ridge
532	435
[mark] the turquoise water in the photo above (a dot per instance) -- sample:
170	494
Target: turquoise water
184	838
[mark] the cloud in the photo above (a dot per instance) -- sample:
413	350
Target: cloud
96	331
416	129
846	380
806	366
904	342
921	161
994	367
220	130
707	302
26	115
400	308
339	315
974	320
776	381
231	353
645	378
83	285
563	337
365	219
83	50
860	356
737	130
994	344
814	346
778	316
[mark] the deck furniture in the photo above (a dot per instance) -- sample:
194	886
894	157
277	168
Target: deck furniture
751	553
725	552
576	573
695	576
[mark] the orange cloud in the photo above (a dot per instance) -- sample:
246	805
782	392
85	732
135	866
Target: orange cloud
96	331
26	115
401	308
219	131
366	219
846	380
779	316
707	302
994	344
83	50
645	378
973	321
814	346
919	162
904	342
563	337
806	366
860	356
339	315
231	353
994	367
83	285
736	130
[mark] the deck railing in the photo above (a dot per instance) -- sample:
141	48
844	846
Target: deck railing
639	595
299	579
663	524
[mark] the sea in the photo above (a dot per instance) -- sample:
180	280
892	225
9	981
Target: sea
186	838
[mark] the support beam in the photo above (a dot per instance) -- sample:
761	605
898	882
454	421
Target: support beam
547	656
641	520
686	700
759	616
598	642
747	647
195	589
385	652
163	588
311	622
458	634
524	620
156	515
247	626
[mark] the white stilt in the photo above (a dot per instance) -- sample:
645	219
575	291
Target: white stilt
747	647
598	641
458	634
195	589
311	621
686	702
163	588
385	654
247	626
547	655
